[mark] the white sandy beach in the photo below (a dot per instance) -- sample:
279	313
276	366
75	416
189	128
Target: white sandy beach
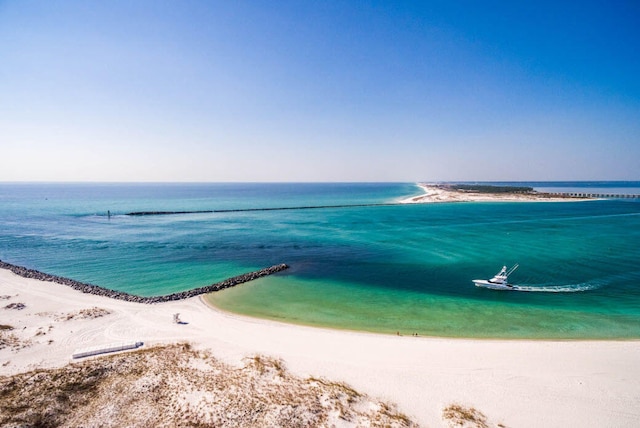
435	193
515	383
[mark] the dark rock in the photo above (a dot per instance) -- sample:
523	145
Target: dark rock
120	295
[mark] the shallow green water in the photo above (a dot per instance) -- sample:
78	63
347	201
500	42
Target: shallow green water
351	307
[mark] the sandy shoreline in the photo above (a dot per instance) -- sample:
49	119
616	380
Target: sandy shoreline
515	383
438	193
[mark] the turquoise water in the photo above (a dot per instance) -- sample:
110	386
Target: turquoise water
404	269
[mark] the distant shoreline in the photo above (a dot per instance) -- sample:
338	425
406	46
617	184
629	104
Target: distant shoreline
433	193
439	193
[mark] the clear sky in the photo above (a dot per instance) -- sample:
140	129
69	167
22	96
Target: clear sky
319	90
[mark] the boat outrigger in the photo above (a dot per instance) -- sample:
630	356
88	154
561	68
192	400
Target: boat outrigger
499	281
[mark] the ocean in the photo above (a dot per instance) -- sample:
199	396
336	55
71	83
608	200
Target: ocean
398	269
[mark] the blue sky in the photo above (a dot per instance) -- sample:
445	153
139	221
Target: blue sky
319	91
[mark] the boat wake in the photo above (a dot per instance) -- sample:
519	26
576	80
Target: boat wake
500	282
569	288
585	286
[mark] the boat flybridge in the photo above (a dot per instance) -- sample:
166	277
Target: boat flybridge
499	281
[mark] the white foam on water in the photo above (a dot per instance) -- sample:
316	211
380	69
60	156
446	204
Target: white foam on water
573	288
569	288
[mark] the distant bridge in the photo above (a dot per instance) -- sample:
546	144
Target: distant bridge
595	195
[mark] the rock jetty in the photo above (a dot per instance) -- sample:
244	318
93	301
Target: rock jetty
101	291
241	210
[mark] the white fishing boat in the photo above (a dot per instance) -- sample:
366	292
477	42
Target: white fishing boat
499	281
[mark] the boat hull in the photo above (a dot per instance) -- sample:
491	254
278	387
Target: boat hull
492	285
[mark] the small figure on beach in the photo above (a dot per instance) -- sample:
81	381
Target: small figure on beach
176	318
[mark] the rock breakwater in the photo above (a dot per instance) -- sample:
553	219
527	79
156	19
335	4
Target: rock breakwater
240	210
120	295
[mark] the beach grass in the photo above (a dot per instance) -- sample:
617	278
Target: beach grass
177	385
